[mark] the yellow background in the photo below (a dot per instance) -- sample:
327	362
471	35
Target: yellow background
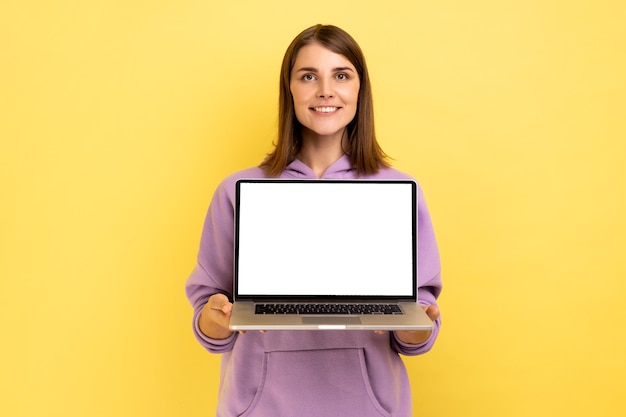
118	119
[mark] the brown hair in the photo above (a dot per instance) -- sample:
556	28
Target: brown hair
365	153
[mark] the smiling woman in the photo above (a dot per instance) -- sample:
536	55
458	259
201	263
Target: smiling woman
326	130
322	66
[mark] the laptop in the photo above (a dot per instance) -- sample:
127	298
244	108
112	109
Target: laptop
326	255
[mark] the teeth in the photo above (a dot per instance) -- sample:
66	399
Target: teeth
325	109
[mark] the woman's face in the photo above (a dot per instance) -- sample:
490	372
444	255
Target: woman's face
325	90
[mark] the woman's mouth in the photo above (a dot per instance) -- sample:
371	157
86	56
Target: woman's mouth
325	109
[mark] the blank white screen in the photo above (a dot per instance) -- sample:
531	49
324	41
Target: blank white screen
325	238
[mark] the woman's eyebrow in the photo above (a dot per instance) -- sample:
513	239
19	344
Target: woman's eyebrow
307	69
311	69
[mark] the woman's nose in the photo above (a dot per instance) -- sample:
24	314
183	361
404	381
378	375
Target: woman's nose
325	89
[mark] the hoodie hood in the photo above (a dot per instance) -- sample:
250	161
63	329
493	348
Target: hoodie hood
341	168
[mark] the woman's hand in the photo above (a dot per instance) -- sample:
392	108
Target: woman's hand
215	317
416	337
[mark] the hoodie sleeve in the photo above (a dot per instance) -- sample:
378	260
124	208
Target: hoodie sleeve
428	277
213	272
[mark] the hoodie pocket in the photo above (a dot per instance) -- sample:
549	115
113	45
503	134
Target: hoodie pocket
315	383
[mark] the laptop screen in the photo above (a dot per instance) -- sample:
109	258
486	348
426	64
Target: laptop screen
315	238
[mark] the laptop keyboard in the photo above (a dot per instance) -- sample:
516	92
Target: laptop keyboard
316	308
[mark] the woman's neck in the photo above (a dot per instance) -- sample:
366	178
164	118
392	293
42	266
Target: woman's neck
319	152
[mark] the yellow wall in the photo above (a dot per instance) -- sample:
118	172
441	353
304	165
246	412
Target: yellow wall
118	118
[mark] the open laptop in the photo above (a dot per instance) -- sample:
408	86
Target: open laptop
326	254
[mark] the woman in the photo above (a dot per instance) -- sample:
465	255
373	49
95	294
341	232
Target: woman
326	130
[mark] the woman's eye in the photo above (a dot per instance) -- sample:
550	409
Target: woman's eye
308	77
342	76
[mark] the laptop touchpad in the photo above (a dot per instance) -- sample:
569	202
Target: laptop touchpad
331	320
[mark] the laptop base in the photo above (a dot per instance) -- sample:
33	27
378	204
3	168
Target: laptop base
243	317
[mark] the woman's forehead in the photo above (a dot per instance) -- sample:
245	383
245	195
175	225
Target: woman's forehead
317	55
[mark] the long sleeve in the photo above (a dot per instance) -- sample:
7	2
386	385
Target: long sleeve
428	277
213	272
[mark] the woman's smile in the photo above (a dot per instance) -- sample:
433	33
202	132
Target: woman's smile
325	109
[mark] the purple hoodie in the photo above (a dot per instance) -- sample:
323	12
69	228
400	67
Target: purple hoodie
307	373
